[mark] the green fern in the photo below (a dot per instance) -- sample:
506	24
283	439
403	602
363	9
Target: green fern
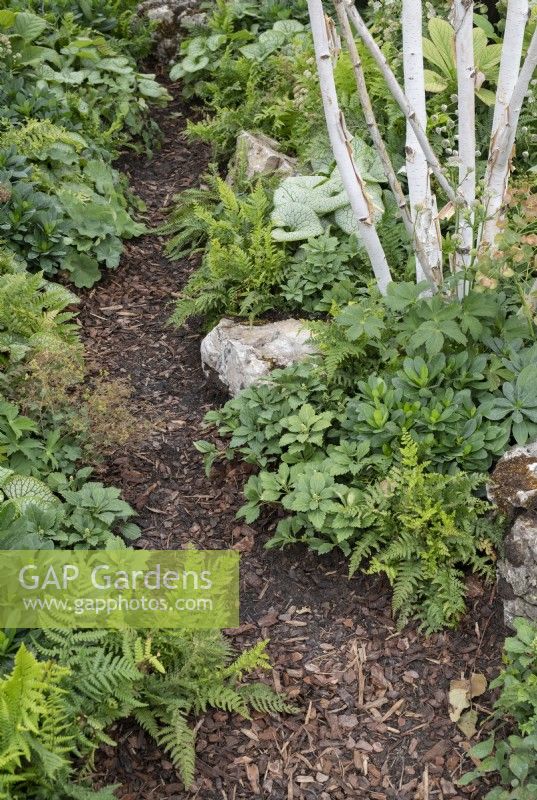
159	680
427	529
241	264
178	741
37	136
262	698
187	230
36	730
33	317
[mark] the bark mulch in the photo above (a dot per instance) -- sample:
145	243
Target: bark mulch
374	701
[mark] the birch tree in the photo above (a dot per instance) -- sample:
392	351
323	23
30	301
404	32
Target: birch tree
463	17
419	210
340	142
422	200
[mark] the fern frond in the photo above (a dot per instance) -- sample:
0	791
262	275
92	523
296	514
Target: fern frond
178	741
262	698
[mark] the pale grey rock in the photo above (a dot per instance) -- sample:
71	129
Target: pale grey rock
173	17
513	487
261	156
517	572
241	355
160	14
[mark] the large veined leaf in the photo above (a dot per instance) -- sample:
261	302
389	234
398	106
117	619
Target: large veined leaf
28	26
270	41
22	491
346	219
301	201
434	82
7	18
295	222
30	54
321	194
439	50
267	43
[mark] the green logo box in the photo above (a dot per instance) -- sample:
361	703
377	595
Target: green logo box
119	588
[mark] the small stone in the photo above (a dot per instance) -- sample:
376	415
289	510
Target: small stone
261	156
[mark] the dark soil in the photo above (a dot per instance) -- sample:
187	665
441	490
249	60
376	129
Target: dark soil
374	718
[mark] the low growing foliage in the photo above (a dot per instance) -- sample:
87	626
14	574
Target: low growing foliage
50	714
241	263
513	760
159	680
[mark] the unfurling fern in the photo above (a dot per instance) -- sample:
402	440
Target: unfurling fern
427	529
241	262
159	680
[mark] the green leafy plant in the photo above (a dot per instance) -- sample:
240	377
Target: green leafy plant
512	759
38	733
429	526
241	263
33	317
110	98
63	211
322	272
300	202
159	680
517	407
418	528
439	50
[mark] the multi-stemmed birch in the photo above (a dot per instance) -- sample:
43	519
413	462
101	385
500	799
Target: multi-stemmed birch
419	211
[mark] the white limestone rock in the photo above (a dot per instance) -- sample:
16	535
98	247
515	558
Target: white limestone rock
241	355
262	156
513	487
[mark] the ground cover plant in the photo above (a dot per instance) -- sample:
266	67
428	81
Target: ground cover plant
72	97
512	758
68	102
413	259
51	713
405	239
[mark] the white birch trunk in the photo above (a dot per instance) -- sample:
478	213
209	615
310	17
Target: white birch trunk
422	202
463	16
515	25
378	142
339	141
401	99
501	149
